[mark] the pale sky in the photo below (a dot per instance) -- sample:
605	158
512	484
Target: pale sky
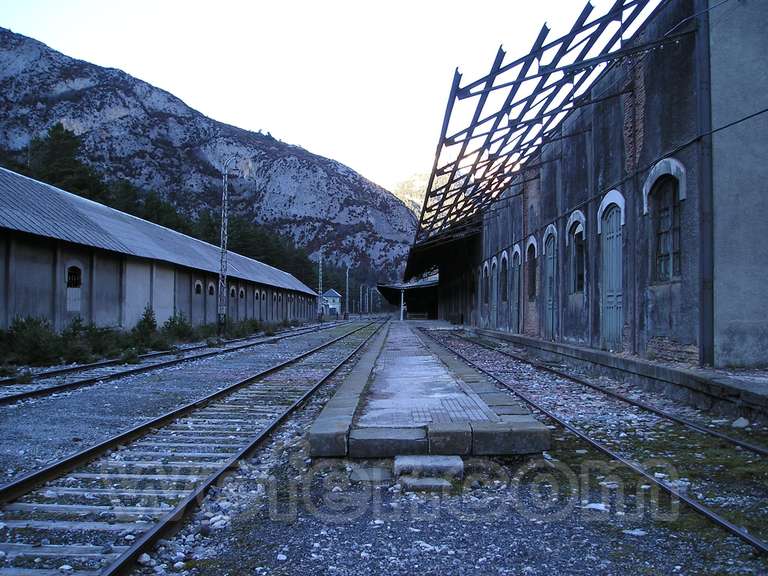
362	82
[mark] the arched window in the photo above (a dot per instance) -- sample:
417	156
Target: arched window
665	215
576	260
211	289
486	282
256	295
198	287
530	260
74	288
232	292
242	293
74	277
503	279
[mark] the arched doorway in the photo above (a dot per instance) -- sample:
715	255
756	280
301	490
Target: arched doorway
550	294
494	295
514	318
611	267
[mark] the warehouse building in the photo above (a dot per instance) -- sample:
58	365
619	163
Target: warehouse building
627	214
63	256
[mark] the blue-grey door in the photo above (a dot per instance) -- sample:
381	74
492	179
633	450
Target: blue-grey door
550	270
611	305
514	299
494	295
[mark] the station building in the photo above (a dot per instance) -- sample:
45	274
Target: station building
639	225
63	256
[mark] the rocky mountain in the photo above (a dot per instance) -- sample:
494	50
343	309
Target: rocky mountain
411	191
134	131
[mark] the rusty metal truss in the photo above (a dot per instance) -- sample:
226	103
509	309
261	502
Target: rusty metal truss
506	116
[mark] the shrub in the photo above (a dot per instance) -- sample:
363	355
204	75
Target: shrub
145	328
24	377
178	328
106	342
130	356
33	341
7	370
74	343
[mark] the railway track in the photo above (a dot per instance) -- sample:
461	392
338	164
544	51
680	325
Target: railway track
73	377
615	425
751	446
96	511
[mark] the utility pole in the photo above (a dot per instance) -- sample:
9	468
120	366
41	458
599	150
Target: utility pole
320	285
360	302
222	316
346	294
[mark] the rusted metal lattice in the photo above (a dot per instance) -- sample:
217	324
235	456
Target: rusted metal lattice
506	116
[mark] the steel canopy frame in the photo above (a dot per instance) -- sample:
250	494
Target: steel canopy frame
475	163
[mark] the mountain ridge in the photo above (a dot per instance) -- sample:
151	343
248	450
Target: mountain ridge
149	137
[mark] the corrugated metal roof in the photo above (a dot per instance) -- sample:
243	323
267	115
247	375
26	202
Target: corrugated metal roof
34	207
332	293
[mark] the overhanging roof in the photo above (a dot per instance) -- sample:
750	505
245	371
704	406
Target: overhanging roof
30	206
494	126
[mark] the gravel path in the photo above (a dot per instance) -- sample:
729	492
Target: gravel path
42	430
284	513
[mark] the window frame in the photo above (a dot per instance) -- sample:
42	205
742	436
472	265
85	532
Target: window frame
665	235
531	263
577	259
504	279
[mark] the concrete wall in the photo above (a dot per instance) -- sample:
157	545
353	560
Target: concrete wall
137	289
31	278
164	291
739	77
4	245
106	289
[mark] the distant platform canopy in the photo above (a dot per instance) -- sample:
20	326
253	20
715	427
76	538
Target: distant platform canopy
419	296
494	127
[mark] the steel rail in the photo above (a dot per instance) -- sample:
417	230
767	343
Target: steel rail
757	543
192	500
114	361
90	381
16	488
756	448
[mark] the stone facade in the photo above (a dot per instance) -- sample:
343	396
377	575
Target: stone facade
611	241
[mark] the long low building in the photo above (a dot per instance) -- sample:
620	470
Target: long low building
63	256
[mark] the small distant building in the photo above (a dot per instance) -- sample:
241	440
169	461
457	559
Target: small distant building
63	256
332	302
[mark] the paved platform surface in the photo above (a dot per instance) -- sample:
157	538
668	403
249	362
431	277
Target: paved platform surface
408	395
412	387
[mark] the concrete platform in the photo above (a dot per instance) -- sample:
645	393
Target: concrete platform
409	396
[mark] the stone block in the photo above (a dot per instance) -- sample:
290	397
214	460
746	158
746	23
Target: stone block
499	399
440	466
450	438
508	438
415	484
370	474
386	442
512	409
328	437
